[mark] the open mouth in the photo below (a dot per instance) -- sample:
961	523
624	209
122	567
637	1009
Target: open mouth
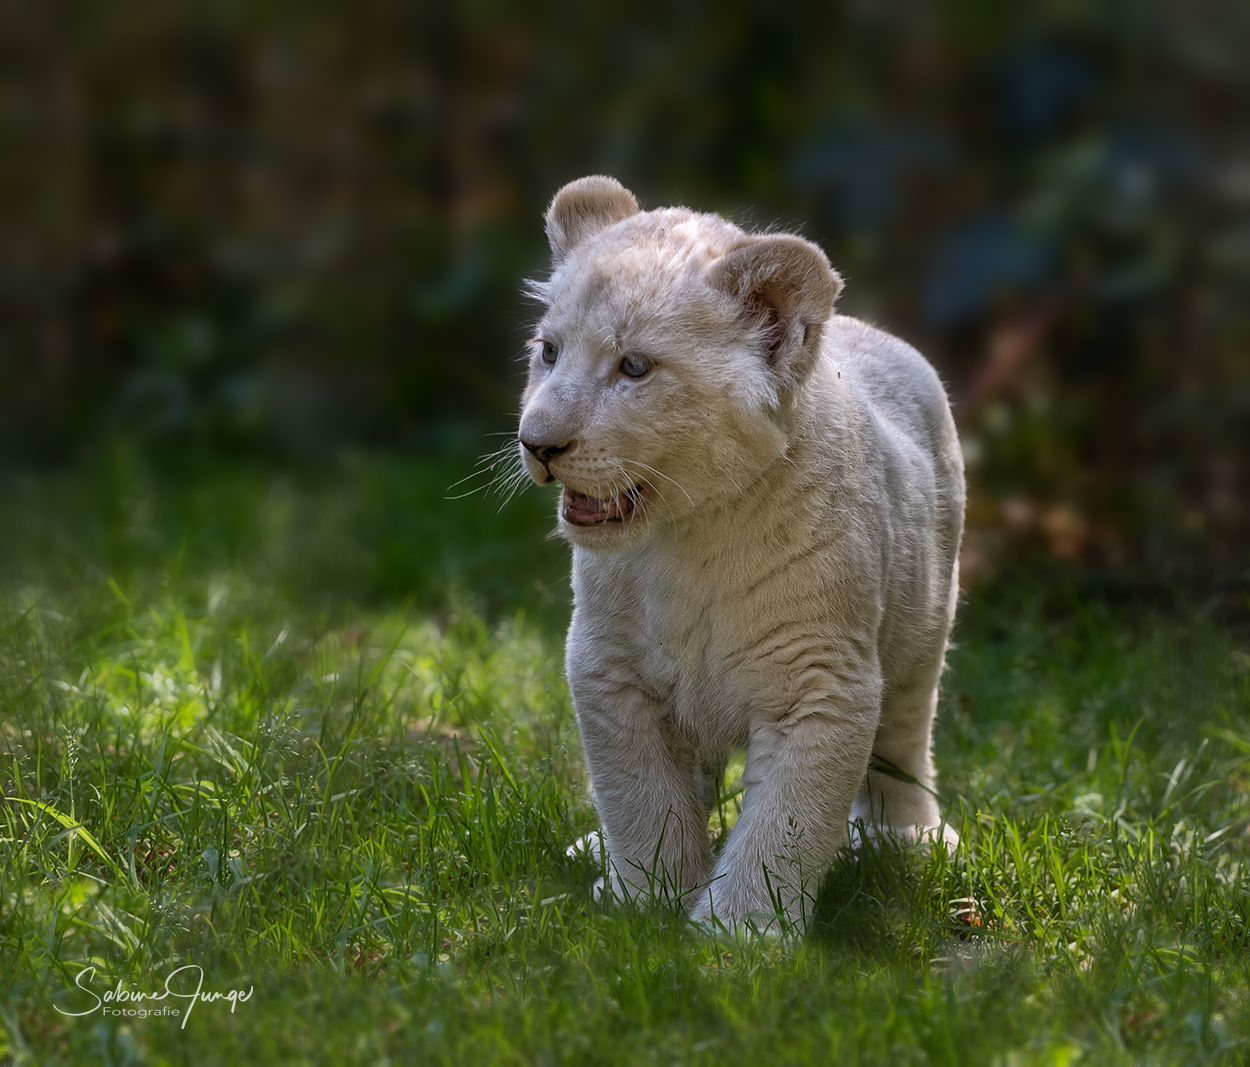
583	510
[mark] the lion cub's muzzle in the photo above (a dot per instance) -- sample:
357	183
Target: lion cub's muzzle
582	509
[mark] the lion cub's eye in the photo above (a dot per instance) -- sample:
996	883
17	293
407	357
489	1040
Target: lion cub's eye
550	352
635	366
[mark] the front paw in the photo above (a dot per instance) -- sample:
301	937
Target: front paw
720	913
927	836
860	834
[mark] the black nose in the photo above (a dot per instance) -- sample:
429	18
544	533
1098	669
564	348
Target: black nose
546	453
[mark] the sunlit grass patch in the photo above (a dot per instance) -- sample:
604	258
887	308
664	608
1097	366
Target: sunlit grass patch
361	812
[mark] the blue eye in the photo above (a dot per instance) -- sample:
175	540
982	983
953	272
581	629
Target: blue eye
635	366
550	352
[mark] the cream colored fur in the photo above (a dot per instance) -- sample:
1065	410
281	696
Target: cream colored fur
788	499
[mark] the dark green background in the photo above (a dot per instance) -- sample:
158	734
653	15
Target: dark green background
277	229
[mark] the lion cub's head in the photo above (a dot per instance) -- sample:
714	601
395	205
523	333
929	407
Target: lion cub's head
662	373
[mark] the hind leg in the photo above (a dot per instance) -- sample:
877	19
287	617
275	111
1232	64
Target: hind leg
887	800
899	793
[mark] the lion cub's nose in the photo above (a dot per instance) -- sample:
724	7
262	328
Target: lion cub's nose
546	453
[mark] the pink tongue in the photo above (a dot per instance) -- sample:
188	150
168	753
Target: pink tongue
586	510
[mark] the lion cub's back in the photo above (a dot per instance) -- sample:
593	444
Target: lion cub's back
912	458
899	383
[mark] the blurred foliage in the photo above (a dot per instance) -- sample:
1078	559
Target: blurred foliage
356	534
278	228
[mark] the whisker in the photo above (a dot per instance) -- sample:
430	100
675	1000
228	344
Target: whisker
661	474
509	484
508	497
637	499
653	487
488	472
639	504
485	466
732	480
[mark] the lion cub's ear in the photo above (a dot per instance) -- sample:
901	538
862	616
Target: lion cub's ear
583	207
788	287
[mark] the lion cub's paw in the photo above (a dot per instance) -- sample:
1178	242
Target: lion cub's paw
923	837
768	923
755	925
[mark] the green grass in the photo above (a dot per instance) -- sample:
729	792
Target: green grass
310	733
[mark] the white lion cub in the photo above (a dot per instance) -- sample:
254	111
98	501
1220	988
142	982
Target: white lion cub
765	502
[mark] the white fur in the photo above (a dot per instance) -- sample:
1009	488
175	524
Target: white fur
786	579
